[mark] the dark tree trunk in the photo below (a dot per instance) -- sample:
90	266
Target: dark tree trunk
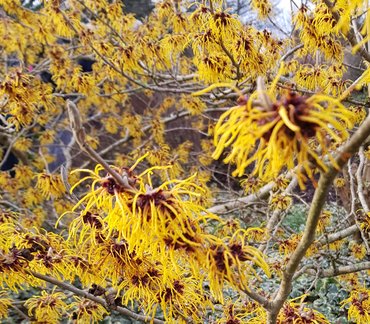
140	8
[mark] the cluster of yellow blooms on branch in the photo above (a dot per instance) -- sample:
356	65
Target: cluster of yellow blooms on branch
178	168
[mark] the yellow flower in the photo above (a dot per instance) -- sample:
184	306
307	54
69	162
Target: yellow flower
163	213
359	114
47	307
47	137
93	142
287	246
157	128
183	298
336	246
87	311
87	223
133	124
357	250
324	221
50	185
214	67
227	260
335	86
277	136
339	182
23	144
82	82
281	183
364	220
254	313
312	77
5	303
298	313
34	219
179	22
229	314
7	216
251	185
23	174
32	197
351	280
13	265
281	202
174	43
150	219
263	7
359	306
223	24
194	105
158	154
111	124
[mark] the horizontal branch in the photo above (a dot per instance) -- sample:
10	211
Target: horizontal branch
240	202
356	267
338	235
99	300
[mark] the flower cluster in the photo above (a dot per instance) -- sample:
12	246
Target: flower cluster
359	305
154	242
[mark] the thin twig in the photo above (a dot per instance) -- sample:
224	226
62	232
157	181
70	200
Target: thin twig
80	136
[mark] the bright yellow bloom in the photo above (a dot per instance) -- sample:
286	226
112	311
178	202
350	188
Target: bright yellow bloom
214	68
194	105
263	7
281	202
364	220
13	265
227	260
23	174
359	306
277	136
32	197
324	221
183	298
149	218
287	246
5	303
357	250
296	312
87	311
351	280
23	144
47	137
223	24
359	114
312	77
50	185
47	307
339	182
251	185
232	313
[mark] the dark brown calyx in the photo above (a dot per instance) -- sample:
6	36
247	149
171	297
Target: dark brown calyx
92	220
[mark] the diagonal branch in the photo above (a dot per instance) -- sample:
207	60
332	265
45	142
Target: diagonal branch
326	180
80	136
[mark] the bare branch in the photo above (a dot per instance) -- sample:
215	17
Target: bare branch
79	134
341	270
